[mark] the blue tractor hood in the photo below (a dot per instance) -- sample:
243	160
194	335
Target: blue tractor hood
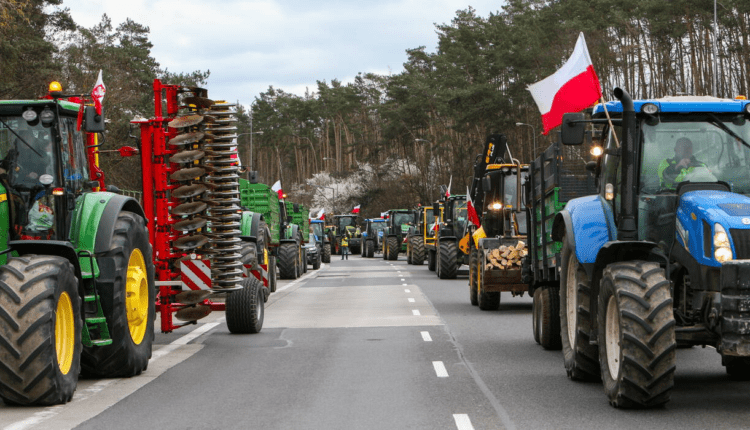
727	209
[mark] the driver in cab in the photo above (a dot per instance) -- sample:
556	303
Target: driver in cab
674	170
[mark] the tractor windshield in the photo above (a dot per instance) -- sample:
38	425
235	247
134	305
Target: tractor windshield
461	216
317	229
709	149
26	154
377	226
345	222
402	218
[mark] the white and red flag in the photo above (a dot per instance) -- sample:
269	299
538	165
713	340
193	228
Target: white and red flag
277	187
448	191
98	93
320	214
471	211
572	88
356	209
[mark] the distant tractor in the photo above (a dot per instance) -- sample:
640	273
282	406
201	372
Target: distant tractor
416	253
397	223
445	256
372	237
323	239
347	224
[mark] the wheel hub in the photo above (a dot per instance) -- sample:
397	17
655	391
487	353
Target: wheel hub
613	338
136	298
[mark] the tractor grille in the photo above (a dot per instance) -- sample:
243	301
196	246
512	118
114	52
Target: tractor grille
741	239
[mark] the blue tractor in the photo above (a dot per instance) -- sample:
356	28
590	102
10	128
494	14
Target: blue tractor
660	257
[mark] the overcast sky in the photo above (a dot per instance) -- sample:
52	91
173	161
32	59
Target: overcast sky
249	45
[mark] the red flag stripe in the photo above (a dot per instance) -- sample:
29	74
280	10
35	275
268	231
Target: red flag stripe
575	95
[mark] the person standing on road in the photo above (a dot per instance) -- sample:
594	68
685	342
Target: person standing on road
345	246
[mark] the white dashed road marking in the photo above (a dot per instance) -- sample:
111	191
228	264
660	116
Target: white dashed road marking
415	312
463	422
411	300
440	369
426	336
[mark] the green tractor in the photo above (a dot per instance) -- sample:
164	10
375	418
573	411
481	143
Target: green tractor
77	289
397	227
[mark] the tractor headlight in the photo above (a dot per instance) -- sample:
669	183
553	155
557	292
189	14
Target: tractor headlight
722	248
649	108
596	151
496	206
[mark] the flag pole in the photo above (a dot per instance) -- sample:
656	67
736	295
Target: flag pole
609	120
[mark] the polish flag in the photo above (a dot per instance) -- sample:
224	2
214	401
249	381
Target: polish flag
320	214
472	212
448	191
98	93
571	89
356	209
277	187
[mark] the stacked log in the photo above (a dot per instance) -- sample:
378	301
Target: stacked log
506	257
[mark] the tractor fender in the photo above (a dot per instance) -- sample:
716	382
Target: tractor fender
589	222
249	225
94	219
50	247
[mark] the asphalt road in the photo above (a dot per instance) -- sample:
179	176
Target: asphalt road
373	344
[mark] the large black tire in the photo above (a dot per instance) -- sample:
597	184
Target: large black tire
370	248
636	335
738	368
128	296
393	248
316	263
581	358
409	248
487	301
326	254
474	266
272	276
431	260
549	319
417	251
536	314
245	308
38	299
303	260
363	250
448	250
287	260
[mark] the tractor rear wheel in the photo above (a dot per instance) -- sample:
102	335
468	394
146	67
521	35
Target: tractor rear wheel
636	335
549	319
581	358
326	256
245	308
448	259
393	248
288	260
431	260
417	251
474	267
536	314
40	342
127	294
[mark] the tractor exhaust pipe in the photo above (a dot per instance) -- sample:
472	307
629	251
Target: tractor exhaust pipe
627	223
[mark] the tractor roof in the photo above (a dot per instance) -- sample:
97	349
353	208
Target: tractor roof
20	104
681	104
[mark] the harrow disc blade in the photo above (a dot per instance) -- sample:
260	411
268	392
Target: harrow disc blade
227	257
193	313
187	156
187	174
189	208
200	102
189	224
192	297
190	242
186	121
187	138
224	129
187	191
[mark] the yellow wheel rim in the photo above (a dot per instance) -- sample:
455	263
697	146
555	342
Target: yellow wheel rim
136	296
65	335
265	257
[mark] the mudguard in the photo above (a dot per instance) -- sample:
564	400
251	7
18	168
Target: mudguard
591	224
93	223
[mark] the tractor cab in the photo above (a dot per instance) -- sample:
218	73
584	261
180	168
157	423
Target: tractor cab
43	166
503	211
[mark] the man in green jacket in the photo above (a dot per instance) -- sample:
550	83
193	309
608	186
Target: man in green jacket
674	170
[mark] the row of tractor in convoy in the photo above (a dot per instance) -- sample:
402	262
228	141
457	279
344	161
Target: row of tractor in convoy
644	249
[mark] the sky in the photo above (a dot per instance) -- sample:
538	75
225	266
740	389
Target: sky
249	45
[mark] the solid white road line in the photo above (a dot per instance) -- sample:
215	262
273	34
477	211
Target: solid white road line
440	369
426	336
463	422
415	312
411	300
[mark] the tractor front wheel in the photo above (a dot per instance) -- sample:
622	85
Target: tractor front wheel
40	338
417	251
288	260
393	248
370	248
474	266
326	257
549	318
431	260
127	294
636	335
448	250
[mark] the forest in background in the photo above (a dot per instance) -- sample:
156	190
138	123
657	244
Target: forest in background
386	141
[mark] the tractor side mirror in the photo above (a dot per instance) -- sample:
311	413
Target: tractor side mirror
486	184
94	121
436	212
573	129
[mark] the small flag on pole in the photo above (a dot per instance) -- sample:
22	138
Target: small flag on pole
471	211
277	187
98	93
356	209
